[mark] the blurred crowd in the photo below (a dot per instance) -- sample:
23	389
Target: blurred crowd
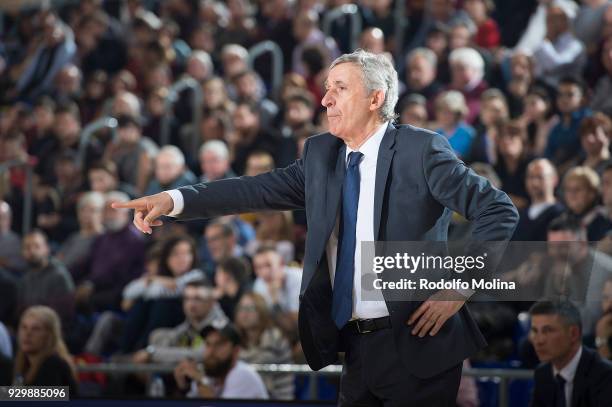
519	88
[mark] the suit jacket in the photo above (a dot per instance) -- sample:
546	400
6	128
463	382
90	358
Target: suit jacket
592	383
417	173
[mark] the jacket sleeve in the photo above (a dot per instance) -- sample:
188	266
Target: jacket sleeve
281	189
459	188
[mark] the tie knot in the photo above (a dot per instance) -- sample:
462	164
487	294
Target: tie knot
560	380
354	158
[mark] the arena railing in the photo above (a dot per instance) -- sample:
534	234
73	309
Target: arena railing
501	376
339	12
88	132
197	95
277	61
27	191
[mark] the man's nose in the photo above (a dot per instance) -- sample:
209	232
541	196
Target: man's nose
327	100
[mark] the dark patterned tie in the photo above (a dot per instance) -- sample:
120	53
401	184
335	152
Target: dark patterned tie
342	304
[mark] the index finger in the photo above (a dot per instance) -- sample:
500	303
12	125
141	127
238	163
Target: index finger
133	204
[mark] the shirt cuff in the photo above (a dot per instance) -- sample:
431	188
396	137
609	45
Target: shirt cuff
177	200
467	293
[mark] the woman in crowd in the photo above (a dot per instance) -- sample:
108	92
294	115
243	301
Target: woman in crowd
77	248
156	299
264	343
494	108
513	159
231	281
43	359
539	120
451	111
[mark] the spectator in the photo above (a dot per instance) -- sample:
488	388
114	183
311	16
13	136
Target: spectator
589	23
46	55
171	345
10	244
170	171
487	34
214	161
451	111
299	113
420	78
603	328
513	160
563	140
595	133
130	153
373	40
153	301
249	91
250	136
494	108
306	31
221	242
102	177
601	224
279	285
521	82
264	343
99	285
276	228
68	84
232	279
538	117
216	96
467	77
581	192
46	281
535	32
413	111
199	66
76	249
570	374
42	358
461	35
225	376
540	182
561	53
601	100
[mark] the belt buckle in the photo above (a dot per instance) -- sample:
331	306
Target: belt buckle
365	331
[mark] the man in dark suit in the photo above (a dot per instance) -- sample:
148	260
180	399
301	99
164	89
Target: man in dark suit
570	375
366	180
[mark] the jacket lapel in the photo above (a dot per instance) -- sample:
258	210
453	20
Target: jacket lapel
333	190
580	377
383	163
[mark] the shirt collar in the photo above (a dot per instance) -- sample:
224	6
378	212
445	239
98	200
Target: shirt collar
371	146
569	371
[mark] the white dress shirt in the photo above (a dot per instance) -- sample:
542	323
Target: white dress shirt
365	226
364	230
568	373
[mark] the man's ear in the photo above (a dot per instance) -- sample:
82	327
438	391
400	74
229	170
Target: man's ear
377	100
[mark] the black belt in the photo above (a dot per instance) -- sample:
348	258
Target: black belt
364	326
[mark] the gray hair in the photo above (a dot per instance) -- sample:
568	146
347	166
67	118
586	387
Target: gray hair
378	74
203	58
93	198
425	53
468	57
216	147
174	153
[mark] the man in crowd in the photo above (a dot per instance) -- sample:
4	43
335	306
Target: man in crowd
45	281
570	374
185	341
99	285
223	376
541	182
